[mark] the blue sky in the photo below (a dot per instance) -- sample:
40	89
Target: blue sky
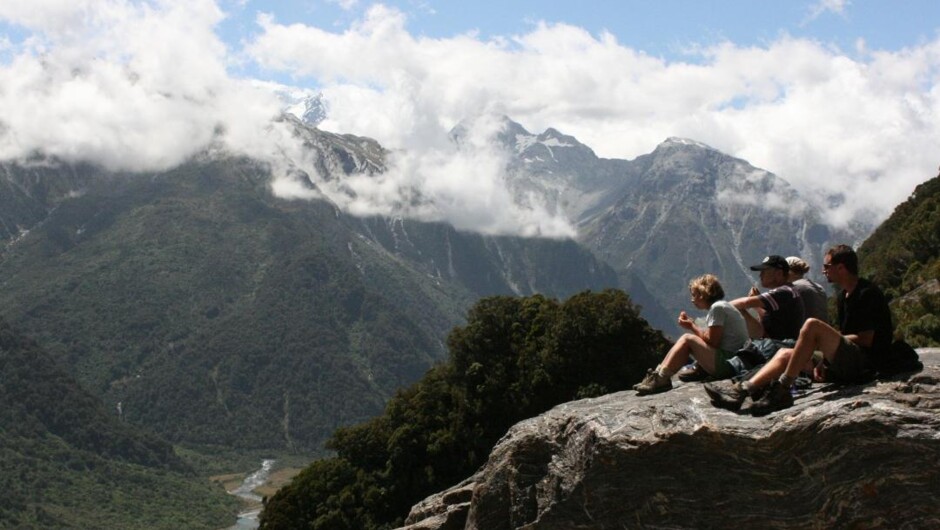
665	28
661	28
826	94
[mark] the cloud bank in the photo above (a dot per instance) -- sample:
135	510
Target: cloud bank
130	86
145	85
862	126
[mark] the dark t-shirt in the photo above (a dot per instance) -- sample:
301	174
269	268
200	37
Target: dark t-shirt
865	309
813	296
783	313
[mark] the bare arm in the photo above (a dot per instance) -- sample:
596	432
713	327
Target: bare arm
747	302
711	335
755	329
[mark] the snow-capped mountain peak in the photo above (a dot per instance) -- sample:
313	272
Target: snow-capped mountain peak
675	140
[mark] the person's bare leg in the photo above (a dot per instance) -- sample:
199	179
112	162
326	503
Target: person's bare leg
678	355
772	370
704	354
815	335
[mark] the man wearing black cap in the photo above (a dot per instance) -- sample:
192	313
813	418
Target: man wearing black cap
782	311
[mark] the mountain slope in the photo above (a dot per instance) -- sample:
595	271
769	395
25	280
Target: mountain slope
216	313
69	463
694	210
29	192
683	210
903	257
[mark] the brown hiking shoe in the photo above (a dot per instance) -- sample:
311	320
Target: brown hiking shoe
776	398
725	394
653	383
692	373
645	377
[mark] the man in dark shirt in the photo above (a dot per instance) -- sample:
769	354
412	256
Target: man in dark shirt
782	310
866	332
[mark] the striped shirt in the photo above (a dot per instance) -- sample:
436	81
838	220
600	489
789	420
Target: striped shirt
783	313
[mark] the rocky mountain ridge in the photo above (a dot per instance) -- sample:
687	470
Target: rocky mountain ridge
850	456
683	210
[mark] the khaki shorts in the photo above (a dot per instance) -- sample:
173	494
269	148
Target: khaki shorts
849	363
723	369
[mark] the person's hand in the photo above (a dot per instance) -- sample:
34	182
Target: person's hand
753	291
819	373
685	321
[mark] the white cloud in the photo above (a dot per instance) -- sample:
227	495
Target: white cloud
144	85
830	123
465	186
827	6
132	86
346	5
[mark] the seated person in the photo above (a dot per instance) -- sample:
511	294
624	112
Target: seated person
726	332
813	295
780	308
865	333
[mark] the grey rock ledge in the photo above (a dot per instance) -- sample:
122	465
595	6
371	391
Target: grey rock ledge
865	456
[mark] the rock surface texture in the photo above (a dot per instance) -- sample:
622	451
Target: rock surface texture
865	456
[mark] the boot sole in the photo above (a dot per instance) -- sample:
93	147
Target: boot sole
719	400
659	390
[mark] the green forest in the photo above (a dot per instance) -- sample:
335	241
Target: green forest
66	462
514	358
903	257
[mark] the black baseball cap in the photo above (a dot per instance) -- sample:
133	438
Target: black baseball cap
772	262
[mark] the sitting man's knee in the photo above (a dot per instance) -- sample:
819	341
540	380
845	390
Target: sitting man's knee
812	324
783	354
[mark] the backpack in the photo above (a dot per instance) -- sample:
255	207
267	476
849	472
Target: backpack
756	352
901	358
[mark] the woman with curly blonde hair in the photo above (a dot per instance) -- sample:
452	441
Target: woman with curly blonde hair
725	333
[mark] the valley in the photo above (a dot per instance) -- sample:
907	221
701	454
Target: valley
197	307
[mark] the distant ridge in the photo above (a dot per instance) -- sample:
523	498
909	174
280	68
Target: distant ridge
683	210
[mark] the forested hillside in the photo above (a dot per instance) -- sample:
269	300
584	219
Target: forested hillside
903	257
67	462
217	313
515	358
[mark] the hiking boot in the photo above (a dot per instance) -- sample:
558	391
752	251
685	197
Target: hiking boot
653	383
726	395
649	372
776	398
692	373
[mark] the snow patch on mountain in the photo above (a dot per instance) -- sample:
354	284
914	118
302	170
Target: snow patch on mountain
524	141
555	142
675	140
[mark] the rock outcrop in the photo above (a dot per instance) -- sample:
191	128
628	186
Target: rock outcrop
864	456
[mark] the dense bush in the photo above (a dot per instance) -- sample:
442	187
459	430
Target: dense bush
903	257
515	358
